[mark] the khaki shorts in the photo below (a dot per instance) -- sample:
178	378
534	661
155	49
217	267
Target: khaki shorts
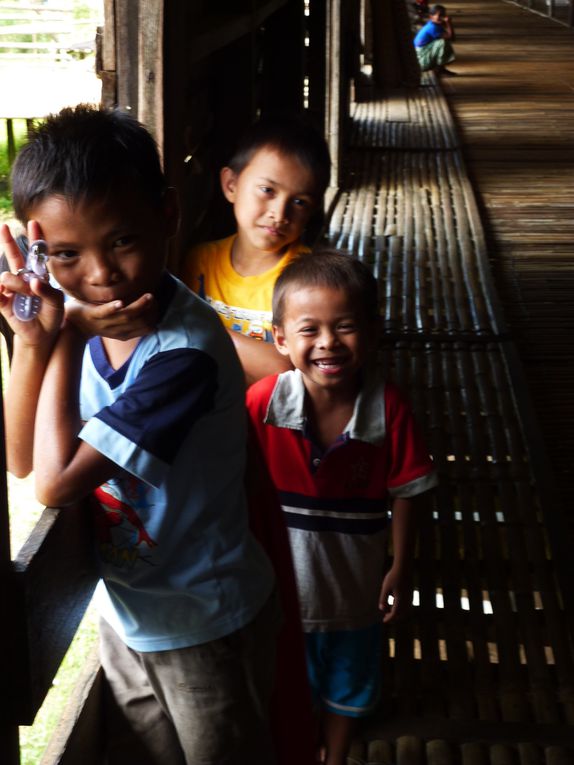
202	705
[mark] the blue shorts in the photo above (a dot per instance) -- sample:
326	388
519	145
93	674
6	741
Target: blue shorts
345	669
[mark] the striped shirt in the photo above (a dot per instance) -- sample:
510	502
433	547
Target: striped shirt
336	502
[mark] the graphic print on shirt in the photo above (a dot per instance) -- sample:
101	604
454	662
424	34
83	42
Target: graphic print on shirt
256	324
122	537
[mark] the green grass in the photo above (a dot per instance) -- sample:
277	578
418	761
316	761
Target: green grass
34	739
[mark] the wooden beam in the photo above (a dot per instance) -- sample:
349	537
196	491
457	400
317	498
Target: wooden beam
127	54
109	41
151	68
9	745
8	728
334	85
106	55
49	587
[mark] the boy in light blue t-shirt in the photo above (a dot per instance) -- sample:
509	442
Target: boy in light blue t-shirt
153	428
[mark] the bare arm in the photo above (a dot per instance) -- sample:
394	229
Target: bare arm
258	359
33	343
448	28
69	469
398	580
20	401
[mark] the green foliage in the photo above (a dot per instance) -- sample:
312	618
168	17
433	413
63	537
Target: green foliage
87	10
20	132
80	10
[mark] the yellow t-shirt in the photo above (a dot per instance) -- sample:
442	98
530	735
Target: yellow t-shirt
242	302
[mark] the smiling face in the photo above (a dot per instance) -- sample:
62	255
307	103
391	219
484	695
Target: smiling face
326	336
103	250
273	198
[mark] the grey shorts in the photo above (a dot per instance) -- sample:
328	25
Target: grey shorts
202	705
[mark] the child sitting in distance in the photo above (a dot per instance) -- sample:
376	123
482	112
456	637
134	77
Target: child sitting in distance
433	42
153	428
341	446
275	181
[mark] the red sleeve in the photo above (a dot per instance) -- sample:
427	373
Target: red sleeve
257	399
410	460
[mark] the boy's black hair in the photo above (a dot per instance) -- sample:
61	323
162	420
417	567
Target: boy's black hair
291	136
436	9
328	268
86	152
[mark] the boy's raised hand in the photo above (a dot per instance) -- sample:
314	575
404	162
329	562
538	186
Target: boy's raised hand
114	320
43	329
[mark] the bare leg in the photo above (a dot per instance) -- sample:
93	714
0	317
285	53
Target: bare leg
338	733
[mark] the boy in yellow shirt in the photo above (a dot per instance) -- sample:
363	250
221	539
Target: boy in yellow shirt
275	182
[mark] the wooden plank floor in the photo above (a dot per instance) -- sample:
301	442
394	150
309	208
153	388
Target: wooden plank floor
514	109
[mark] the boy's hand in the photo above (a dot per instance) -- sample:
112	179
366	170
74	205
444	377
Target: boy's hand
43	329
399	586
114	320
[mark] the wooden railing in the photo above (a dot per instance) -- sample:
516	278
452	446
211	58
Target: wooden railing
44	593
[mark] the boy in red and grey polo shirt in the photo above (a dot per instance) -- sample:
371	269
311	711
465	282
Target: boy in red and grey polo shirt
342	448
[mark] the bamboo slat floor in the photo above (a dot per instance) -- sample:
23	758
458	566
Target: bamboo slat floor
513	102
483	672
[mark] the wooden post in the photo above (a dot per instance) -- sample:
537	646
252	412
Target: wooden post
333	89
150	68
9	745
338	56
106	55
127	54
365	31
